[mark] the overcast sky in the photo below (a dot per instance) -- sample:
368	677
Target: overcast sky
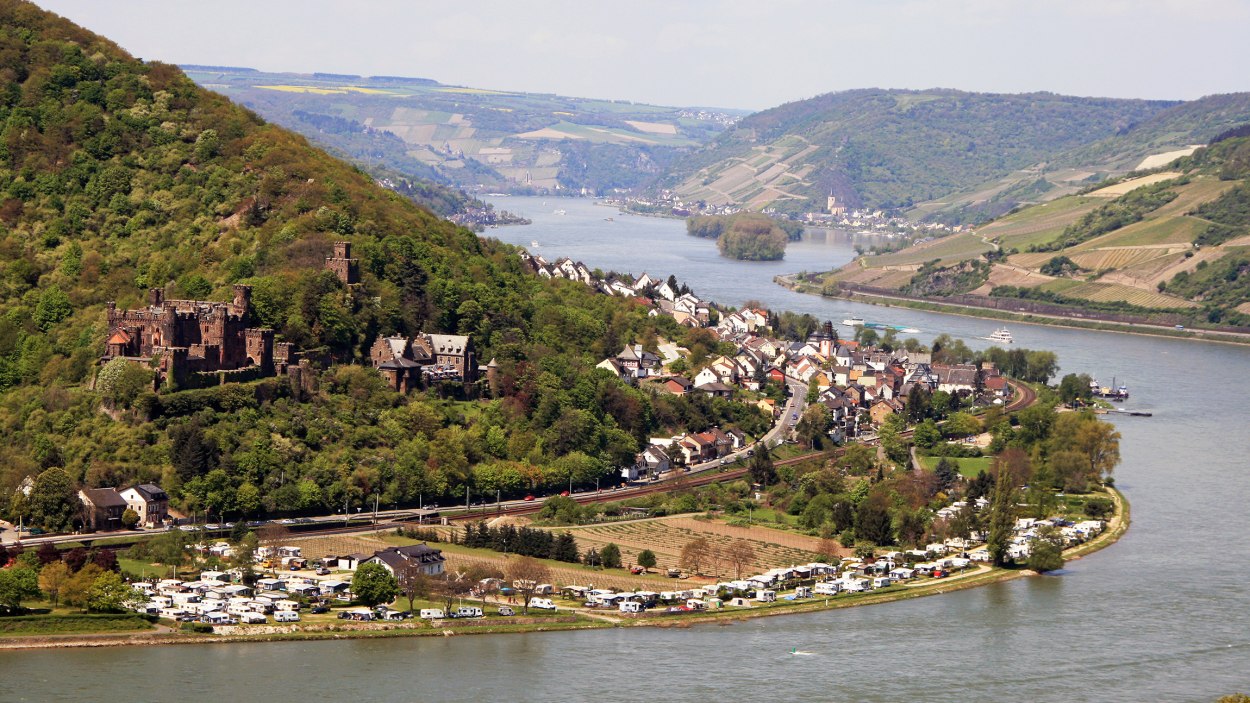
744	53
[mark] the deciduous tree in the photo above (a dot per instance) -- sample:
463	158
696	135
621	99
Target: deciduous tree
694	555
740	554
526	573
373	584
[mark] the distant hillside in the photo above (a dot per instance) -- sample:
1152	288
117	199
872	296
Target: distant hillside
1151	143
893	148
118	175
473	138
1172	245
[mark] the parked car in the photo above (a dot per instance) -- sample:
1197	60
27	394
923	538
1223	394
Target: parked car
322	571
319	609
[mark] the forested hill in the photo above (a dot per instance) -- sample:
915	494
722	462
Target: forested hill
118	175
893	148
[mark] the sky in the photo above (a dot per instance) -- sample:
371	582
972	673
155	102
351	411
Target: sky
746	54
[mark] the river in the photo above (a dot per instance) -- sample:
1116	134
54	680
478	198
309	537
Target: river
1163	615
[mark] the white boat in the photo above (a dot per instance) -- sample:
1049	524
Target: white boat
1001	335
558	212
534	244
853	322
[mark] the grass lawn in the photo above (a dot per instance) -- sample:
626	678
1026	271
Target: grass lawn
969	467
70	623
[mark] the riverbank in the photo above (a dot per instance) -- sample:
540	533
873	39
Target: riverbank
789	281
577	618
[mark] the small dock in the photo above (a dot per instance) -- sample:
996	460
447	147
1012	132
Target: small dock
1117	411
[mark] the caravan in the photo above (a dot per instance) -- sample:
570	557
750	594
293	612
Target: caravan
542	603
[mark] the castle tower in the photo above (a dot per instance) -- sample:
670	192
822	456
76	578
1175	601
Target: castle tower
242	299
343	265
259	348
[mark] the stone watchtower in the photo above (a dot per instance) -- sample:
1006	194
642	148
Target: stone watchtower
343	265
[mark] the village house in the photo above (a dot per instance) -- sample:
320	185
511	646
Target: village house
649	463
423	556
149	501
102	508
882	409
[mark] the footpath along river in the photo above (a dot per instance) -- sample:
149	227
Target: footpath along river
1163	615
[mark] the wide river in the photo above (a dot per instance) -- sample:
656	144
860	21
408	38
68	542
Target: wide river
1163	615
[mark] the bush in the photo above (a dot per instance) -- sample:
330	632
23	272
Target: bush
202	628
1099	508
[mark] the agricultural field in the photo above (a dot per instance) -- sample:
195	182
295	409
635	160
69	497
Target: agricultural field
667	536
1122	257
1107	292
1039	224
955	247
1151	232
1118	189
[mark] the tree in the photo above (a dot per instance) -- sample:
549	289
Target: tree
857	460
740	554
827	550
121	382
872	519
1099	442
947	473
48	553
77	590
53	501
271	535
526	573
106	559
16	585
1045	553
412	582
610	555
926	434
53	306
129	519
1002	518
694	555
646	559
761	468
1073	388
373	584
108	593
169	548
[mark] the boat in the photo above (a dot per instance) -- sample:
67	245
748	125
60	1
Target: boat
853	322
534	244
1001	335
1112	392
608	219
896	328
558	212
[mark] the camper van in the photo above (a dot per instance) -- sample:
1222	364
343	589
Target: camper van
542	604
766	595
432	613
544	589
466	611
251	618
631	607
826	588
285	616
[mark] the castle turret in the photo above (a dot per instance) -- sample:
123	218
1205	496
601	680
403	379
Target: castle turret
343	265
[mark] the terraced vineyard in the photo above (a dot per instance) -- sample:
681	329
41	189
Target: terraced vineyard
955	247
1106	292
1039	224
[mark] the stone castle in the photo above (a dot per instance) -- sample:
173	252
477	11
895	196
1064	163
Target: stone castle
189	337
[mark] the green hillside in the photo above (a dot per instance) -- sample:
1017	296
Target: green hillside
469	137
1174	241
118	175
893	148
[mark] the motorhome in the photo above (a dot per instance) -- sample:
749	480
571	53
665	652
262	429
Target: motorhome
432	613
631	607
466	611
542	604
285	616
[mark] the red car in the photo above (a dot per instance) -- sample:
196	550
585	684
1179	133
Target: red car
564	493
529	497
